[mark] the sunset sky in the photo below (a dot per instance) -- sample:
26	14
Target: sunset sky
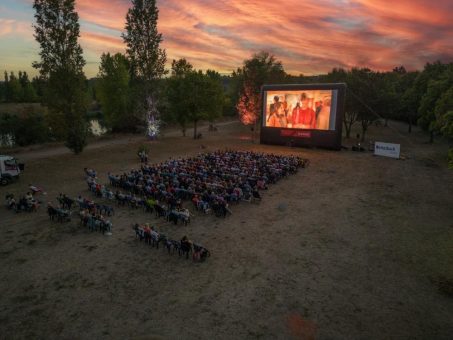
308	36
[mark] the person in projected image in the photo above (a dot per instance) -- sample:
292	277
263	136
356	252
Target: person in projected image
323	117
318	107
303	117
279	118
272	109
296	115
287	107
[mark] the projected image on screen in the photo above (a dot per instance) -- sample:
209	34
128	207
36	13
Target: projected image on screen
302	109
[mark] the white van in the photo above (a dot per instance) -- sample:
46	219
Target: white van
9	169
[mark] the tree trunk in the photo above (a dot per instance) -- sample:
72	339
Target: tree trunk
364	129
431	137
410	126
195	129
183	131
386	122
348	130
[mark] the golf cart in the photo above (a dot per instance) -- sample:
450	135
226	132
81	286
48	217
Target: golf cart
9	169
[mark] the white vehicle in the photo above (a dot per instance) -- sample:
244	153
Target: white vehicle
9	169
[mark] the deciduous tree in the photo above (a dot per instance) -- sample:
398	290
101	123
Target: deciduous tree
175	92
180	67
194	96
262	68
147	59
113	92
143	41
61	64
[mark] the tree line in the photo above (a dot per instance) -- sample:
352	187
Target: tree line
416	97
19	89
134	90
423	98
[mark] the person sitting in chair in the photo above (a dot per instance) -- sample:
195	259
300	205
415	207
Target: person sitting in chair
261	183
256	194
29	197
186	245
11	201
32	204
22	205
90	172
147	233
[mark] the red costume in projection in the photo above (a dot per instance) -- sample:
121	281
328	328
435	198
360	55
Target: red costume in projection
303	118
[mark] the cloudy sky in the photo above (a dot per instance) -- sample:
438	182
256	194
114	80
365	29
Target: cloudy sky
308	36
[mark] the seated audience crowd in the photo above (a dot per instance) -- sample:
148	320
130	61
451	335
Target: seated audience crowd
211	181
24	203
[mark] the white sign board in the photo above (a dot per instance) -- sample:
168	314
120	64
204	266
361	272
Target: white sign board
387	149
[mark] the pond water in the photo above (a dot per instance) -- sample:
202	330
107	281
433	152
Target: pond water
96	128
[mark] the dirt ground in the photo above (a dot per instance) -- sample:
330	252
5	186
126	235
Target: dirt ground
353	247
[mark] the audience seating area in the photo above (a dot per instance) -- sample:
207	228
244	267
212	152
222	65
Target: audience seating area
209	182
184	247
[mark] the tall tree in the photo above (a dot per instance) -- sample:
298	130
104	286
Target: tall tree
232	84
362	101
388	100
352	105
175	92
113	92
408	101
194	96
440	81
57	31
444	116
197	90
147	59
143	41
262	68
443	111
216	94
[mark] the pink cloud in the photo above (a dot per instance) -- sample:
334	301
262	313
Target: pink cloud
15	28
100	42
309	36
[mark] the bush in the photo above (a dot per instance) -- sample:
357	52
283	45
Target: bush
29	128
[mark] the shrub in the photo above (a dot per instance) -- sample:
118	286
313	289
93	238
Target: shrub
29	128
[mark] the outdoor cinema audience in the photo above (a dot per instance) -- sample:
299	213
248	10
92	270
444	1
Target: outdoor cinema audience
211	181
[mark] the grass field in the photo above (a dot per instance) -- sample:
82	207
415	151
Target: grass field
353	247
